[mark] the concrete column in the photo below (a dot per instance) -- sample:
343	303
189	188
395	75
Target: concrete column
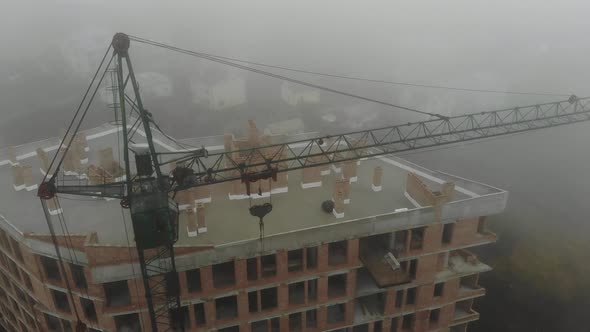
322	289
201	221
210	314
339	198
389	305
207	279
377	177
283	296
322	317
43	160
284	323
322	257
311	178
349	312
191	221
351	283
253	137
241	273
349	172
18	179
12	156
282	261
243	311
352	253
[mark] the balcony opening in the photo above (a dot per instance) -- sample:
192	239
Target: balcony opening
459	328
399	242
88	308
393	325
442	261
181	319
252	268
336	313
199	309
275	324
447	234
79	276
438	289
224	275
399	298
411	296
469	282
434	315
16	249
297	293
408	322
361	328
230	329
295	322
312	290
253	301
226	307
311	318
413	268
259	326
371	305
193	280
268	298
67	325
51	269
117	293
378	326
60	300
295	260
127	323
417	240
337	285
53	323
464	305
337	252
311	257
268	265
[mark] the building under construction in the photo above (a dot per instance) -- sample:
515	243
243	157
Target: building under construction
390	255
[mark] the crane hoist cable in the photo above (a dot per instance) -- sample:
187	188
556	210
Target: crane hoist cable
61	143
371	80
79	325
277	76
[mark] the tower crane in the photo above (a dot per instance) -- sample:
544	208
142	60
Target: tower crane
149	193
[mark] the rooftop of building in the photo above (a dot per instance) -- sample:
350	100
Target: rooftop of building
227	220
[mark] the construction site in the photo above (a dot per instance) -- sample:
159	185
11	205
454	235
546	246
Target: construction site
139	231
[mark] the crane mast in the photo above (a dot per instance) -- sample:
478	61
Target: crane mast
154	214
148	193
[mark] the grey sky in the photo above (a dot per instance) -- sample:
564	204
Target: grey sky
513	45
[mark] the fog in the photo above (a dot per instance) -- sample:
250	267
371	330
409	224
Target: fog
50	51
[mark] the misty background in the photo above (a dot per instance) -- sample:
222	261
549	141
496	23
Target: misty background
539	282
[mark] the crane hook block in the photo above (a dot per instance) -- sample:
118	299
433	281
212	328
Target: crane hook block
46	190
261	211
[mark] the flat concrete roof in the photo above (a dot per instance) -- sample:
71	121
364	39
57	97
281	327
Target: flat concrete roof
227	221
